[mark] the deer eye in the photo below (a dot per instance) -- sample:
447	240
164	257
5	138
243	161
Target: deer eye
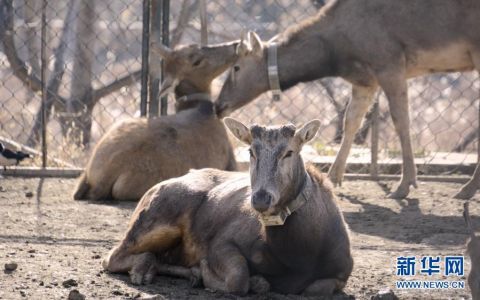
197	62
236	68
288	154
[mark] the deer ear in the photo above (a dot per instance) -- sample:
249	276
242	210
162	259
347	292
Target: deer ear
239	130
168	84
255	43
242	47
308	131
162	50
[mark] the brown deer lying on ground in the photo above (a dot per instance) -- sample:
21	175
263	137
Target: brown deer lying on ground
371	44
138	153
473	249
231	224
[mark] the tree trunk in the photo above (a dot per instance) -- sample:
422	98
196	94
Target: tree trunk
30	14
467	140
77	121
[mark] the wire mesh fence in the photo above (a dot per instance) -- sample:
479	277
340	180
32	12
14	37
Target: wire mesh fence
93	67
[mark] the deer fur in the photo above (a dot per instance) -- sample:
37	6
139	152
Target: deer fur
212	219
138	153
473	249
371	44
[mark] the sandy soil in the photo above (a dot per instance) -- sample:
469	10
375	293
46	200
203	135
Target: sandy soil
58	244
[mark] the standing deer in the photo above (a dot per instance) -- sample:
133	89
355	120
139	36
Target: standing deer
278	228
371	44
138	153
473	249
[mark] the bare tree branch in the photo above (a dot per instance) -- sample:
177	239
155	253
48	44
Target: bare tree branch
21	71
116	85
78	118
18	66
467	140
340	108
182	23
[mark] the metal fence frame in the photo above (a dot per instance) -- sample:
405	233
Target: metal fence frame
156	28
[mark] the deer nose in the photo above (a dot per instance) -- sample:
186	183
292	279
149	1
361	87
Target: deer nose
261	200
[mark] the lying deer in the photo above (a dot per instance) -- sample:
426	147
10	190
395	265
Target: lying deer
473	249
280	224
371	44
138	153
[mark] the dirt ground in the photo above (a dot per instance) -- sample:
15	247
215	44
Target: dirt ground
58	244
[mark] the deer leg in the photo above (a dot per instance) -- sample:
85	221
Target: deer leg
143	270
210	279
193	274
141	267
145	236
356	110
226	270
468	190
324	287
259	285
395	87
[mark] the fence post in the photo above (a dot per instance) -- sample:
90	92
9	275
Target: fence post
166	41
156	36
374	141
478	134
43	73
145	51
203	23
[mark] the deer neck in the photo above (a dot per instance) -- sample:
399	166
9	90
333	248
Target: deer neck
189	95
285	242
304	59
186	87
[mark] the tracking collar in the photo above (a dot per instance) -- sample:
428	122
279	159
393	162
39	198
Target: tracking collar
280	218
195	97
272	68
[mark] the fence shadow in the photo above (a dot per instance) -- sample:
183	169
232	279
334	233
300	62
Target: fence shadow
409	225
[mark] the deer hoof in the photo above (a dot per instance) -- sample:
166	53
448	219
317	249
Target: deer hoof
150	275
136	278
195	277
400	193
259	285
336	177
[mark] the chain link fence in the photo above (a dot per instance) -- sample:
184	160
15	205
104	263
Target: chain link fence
93	66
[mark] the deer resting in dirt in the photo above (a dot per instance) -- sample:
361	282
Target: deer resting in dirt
230	224
473	249
371	44
138	153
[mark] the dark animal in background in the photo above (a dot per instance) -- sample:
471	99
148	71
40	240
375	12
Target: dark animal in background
473	249
138	153
230	223
11	158
371	44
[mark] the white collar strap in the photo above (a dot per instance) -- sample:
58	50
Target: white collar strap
280	218
272	68
195	97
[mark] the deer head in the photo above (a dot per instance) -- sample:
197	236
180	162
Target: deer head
277	172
